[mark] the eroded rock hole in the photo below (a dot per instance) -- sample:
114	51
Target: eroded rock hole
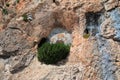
54	1
43	40
86	31
93	21
55	48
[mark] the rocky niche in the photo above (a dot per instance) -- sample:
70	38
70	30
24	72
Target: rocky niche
57	35
93	21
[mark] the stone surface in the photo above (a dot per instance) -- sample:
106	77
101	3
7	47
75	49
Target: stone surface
2	65
107	30
2	68
110	4
46	71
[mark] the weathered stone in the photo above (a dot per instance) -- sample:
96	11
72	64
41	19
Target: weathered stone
110	4
13	42
18	63
2	68
2	65
107	30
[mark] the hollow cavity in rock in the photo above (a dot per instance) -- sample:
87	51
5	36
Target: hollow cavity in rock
43	40
93	21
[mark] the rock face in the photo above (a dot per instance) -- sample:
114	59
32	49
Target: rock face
94	58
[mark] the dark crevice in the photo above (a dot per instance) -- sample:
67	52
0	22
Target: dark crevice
43	40
92	23
15	28
54	1
17	69
86	31
92	18
12	53
4	56
8	54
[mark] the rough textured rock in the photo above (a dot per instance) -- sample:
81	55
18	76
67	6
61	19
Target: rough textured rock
12	43
110	4
94	58
50	72
2	66
108	30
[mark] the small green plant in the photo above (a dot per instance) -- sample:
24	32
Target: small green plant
53	53
5	11
3	6
25	17
86	36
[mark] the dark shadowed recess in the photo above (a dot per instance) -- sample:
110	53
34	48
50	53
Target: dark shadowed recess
43	40
92	18
53	0
8	54
92	23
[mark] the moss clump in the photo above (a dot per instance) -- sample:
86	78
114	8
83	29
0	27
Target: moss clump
86	36
5	11
53	53
25	17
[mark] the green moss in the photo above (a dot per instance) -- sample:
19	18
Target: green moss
86	36
5	11
53	53
25	17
